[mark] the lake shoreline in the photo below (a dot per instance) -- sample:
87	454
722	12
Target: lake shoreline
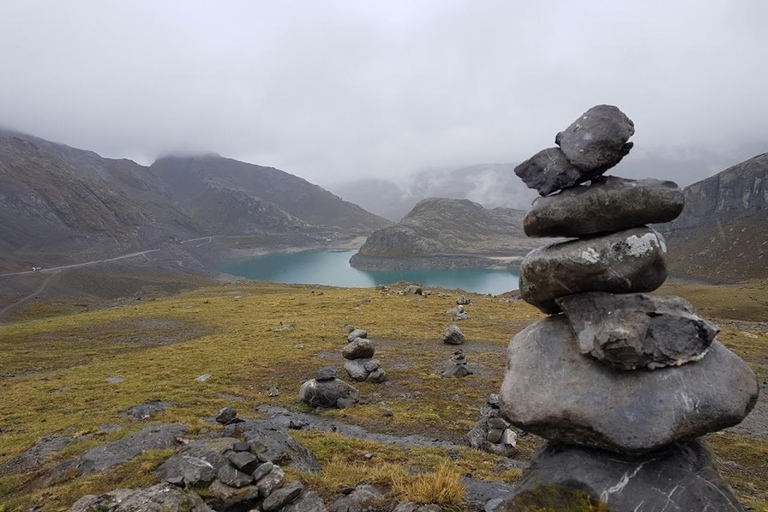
438	262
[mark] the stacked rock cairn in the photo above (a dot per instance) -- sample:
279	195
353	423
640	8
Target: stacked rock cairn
621	383
360	365
327	390
492	433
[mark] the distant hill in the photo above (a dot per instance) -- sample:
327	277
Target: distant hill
440	232
226	191
61	205
722	234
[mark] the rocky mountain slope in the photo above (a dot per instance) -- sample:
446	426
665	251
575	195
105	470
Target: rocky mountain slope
447	233
222	190
61	205
722	234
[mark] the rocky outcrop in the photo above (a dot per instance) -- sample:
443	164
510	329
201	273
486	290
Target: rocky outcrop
446	233
161	497
635	375
722	234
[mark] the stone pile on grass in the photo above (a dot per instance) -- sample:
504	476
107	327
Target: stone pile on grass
361	365
493	433
328	391
622	383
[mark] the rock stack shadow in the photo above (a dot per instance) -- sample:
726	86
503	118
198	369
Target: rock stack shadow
621	383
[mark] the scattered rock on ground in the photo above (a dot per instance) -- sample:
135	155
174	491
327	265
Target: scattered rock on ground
357	333
361	499
226	416
146	410
452	335
281	497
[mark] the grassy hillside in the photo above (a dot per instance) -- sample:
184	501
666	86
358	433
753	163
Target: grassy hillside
55	372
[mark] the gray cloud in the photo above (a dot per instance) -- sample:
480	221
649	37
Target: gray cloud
339	90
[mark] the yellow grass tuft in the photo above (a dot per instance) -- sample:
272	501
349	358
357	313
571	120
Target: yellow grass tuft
443	487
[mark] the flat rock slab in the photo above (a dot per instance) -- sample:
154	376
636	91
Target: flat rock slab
597	140
198	461
637	330
146	410
608	204
162	497
554	391
623	262
35	456
682	478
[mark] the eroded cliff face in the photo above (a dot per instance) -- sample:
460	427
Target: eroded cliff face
722	234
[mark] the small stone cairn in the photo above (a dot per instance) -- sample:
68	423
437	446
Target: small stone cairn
328	391
492	433
456	367
360	365
623	382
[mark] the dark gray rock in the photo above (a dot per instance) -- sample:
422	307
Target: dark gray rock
377	376
363	498
244	461
233	477
325	374
637	330
623	262
360	348
357	333
372	365
198	461
310	502
272	443
681	478
262	471
161	497
356	369
225	498
35	456
270	482
241	446
597	140
226	416
452	335
282	497
608	204
146	410
549	171
456	367
577	399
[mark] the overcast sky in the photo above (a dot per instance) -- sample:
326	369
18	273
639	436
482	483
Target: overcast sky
332	90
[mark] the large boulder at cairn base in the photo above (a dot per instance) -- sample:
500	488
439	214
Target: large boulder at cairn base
681	478
623	262
159	498
637	330
327	393
548	171
576	399
597	140
608	204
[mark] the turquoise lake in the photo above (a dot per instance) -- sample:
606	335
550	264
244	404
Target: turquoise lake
332	268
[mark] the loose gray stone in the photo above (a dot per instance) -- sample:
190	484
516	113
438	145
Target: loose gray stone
360	348
241	446
310	502
348	328
282	497
577	399
160	497
372	365
494	435
478	439
623	262
272	443
115	380
271	482
223	497
452	335
377	376
362	498
226	416
262	471
608	204
456	370
549	171
413	289
638	330
192	471
680	478
509	438
357	333
326	393
233	477
356	369
325	374
597	140
344	403
244	461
